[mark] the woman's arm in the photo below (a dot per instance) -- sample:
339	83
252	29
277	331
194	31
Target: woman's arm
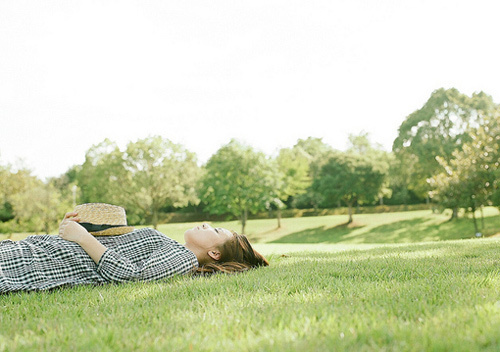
70	230
167	260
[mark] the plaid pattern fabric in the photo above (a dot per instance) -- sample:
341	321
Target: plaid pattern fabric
44	262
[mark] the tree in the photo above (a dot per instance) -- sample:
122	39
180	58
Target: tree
5	207
361	145
40	207
399	180
292	165
152	174
350	178
486	142
466	182
160	174
318	153
437	129
469	179
102	176
26	203
14	182
67	185
237	180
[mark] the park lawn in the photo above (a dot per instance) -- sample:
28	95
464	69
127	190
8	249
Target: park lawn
371	286
439	296
397	227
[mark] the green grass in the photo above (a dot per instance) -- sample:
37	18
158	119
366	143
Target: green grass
351	290
418	297
400	227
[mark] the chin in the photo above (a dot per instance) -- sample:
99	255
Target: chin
187	234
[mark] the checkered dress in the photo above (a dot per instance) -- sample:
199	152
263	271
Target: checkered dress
45	262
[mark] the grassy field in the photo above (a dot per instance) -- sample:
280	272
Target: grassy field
402	227
392	282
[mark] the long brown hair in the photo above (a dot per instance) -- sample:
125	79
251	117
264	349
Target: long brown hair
237	255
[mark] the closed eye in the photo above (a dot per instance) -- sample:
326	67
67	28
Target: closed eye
216	230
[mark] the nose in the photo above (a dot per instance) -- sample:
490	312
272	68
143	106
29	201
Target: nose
205	225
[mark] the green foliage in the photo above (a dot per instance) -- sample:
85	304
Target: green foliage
349	178
449	146
466	181
101	176
292	167
399	179
487	140
5	207
238	180
470	178
360	144
317	152
67	184
293	164
39	208
160	174
437	129
151	174
28	203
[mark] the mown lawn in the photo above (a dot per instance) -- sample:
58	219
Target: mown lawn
347	292
419	297
398	227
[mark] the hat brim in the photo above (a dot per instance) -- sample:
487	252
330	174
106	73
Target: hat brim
114	231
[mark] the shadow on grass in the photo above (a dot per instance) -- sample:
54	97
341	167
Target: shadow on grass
320	234
404	231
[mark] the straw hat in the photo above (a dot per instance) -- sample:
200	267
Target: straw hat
102	219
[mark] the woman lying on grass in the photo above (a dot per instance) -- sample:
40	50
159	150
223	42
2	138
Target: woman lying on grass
95	246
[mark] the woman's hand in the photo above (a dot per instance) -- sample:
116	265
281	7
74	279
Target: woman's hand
70	230
67	219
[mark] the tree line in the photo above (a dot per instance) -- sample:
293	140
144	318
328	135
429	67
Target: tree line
446	152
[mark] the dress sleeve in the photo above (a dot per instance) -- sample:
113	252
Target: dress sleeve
164	262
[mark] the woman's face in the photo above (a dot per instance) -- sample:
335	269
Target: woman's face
206	237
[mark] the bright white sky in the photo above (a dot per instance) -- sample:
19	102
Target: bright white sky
201	72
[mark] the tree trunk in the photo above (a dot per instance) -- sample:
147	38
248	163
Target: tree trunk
244	217
155	219
381	200
279	217
482	218
349	205
454	214
475	220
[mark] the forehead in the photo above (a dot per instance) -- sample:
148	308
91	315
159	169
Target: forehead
227	232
